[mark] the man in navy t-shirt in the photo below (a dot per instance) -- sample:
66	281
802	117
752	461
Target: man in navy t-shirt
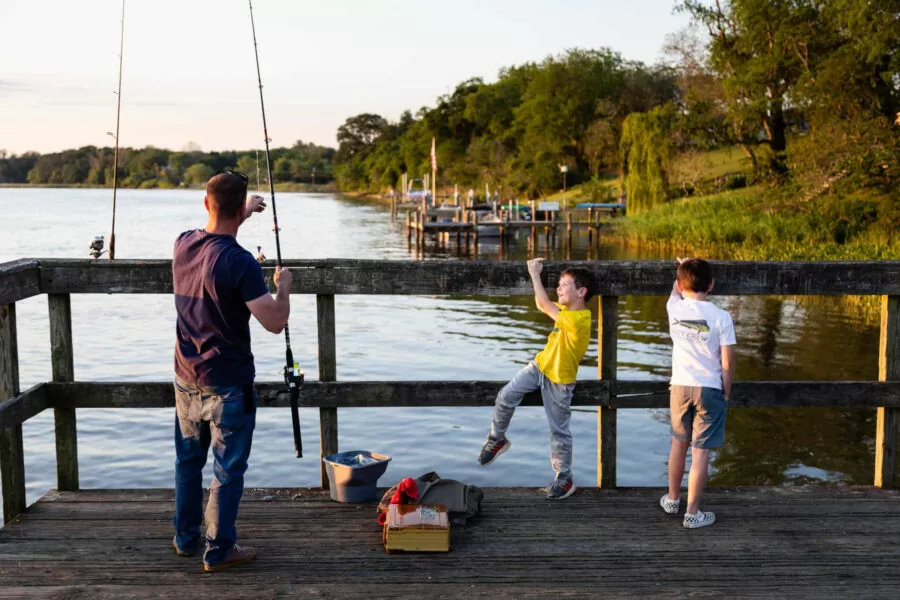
218	285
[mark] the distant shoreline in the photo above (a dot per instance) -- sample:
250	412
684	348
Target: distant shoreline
327	188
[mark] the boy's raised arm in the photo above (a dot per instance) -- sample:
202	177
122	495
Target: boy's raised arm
541	299
676	290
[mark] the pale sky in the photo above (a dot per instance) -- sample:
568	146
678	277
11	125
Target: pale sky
190	76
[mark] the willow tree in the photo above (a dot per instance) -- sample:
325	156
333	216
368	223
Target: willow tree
645	153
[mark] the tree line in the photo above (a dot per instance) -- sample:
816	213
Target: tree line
158	168
808	89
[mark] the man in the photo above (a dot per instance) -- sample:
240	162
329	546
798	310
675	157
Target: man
218	285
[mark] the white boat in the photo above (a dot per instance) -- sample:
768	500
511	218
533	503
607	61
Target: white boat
488	224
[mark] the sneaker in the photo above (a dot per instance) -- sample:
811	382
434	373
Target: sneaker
562	487
699	519
181	552
492	449
670	506
238	555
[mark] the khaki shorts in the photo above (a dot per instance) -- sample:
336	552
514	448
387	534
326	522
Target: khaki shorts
698	415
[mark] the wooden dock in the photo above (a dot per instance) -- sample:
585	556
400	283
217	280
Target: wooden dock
768	542
602	542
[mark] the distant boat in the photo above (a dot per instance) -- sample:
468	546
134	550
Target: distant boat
414	195
486	224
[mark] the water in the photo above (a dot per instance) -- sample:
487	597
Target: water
130	338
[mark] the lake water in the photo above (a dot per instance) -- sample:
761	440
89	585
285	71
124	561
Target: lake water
130	338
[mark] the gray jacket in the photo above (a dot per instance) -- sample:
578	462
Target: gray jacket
461	499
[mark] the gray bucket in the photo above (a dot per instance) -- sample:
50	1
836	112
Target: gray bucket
354	474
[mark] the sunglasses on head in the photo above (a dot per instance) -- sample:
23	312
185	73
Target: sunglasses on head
238	174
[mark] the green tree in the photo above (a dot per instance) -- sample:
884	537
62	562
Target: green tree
758	48
646	150
198	174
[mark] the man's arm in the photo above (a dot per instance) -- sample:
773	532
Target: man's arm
273	312
727	370
254	204
541	299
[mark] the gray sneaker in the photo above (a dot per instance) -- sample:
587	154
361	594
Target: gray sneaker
562	487
699	519
492	449
669	505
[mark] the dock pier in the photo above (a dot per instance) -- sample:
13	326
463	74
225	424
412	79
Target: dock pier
605	541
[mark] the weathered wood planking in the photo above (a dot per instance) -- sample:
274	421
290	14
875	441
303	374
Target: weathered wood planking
12	452
615	278
328	417
19	279
20	408
888	419
607	367
400	394
63	369
811	542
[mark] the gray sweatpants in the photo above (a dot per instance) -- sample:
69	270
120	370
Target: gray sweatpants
557	404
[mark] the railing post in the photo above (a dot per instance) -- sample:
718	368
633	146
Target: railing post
61	353
12	453
607	338
888	370
328	417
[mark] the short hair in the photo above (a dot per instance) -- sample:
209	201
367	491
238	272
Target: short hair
226	193
695	275
584	278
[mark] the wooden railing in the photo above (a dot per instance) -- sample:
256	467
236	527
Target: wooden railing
327	278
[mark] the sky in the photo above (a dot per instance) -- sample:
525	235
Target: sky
190	77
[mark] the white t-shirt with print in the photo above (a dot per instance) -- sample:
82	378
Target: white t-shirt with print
699	329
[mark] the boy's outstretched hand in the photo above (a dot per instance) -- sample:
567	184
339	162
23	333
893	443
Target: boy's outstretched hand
535	266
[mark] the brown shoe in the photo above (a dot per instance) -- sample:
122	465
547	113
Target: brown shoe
238	555
181	552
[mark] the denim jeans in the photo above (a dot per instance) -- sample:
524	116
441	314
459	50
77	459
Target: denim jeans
204	416
557	399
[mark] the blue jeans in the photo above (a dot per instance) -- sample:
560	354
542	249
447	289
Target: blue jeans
214	415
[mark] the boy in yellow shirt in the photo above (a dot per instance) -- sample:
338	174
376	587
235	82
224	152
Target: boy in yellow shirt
553	371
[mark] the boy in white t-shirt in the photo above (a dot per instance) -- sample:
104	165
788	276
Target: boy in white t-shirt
702	371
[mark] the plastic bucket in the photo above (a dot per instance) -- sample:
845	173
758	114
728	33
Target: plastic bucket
354	474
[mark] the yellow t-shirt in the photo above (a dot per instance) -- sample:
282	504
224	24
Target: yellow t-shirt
566	345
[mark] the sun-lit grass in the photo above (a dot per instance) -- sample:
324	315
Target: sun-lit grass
748	224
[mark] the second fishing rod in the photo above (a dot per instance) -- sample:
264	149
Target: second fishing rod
293	377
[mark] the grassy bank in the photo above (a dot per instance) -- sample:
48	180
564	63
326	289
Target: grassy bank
751	224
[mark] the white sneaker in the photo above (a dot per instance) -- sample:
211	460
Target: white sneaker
668	505
699	519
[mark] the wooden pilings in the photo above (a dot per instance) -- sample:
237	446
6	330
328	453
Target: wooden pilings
607	339
62	360
328	417
443	224
888	421
12	452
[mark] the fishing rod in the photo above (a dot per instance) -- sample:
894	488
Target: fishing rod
112	235
293	377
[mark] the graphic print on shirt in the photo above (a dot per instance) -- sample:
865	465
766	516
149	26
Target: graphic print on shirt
696	329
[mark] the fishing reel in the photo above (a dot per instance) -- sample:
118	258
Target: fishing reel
96	247
293	377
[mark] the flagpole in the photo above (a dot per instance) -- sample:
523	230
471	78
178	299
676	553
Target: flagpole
433	174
